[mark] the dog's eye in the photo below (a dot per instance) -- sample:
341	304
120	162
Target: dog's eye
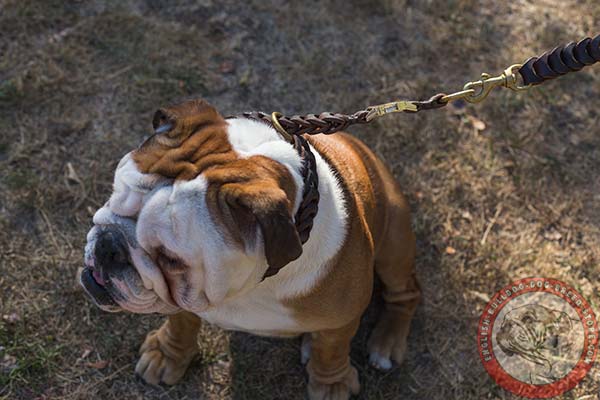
169	263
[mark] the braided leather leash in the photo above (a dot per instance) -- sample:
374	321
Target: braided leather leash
309	205
557	62
327	123
552	64
561	60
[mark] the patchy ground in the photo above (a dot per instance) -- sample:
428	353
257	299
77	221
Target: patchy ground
502	190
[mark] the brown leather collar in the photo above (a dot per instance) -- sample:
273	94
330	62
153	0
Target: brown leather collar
309	205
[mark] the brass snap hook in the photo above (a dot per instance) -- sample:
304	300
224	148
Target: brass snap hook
477	91
485	85
511	78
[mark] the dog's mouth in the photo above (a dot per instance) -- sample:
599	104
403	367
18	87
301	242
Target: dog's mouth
114	294
96	287
110	278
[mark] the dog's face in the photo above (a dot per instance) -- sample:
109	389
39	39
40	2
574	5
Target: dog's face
190	222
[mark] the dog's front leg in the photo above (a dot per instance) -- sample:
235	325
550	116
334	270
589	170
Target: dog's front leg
330	375
167	352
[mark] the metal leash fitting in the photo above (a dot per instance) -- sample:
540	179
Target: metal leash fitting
557	62
477	91
473	92
388	108
275	121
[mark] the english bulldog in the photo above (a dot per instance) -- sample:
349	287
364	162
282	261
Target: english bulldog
200	226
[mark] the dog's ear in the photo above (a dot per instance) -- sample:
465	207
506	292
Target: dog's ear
263	205
176	123
163	121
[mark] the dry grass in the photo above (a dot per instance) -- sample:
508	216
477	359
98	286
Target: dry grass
80	80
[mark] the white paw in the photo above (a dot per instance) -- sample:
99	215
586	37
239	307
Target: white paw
380	362
305	349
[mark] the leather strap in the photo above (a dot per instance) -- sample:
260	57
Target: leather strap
313	124
551	64
328	123
309	205
325	123
561	60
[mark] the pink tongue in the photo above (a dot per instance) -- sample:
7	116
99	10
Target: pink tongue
98	277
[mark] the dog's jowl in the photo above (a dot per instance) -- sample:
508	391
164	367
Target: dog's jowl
202	225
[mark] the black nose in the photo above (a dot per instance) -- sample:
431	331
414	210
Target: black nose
111	250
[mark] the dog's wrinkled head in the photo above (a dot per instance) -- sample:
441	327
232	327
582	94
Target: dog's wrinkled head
191	221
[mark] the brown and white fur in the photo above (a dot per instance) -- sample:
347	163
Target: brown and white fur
204	207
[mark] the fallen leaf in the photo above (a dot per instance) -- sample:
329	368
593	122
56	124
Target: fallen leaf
85	353
477	123
100	364
8	363
450	250
575	139
227	67
467	215
72	174
11	318
552	234
245	78
482	296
